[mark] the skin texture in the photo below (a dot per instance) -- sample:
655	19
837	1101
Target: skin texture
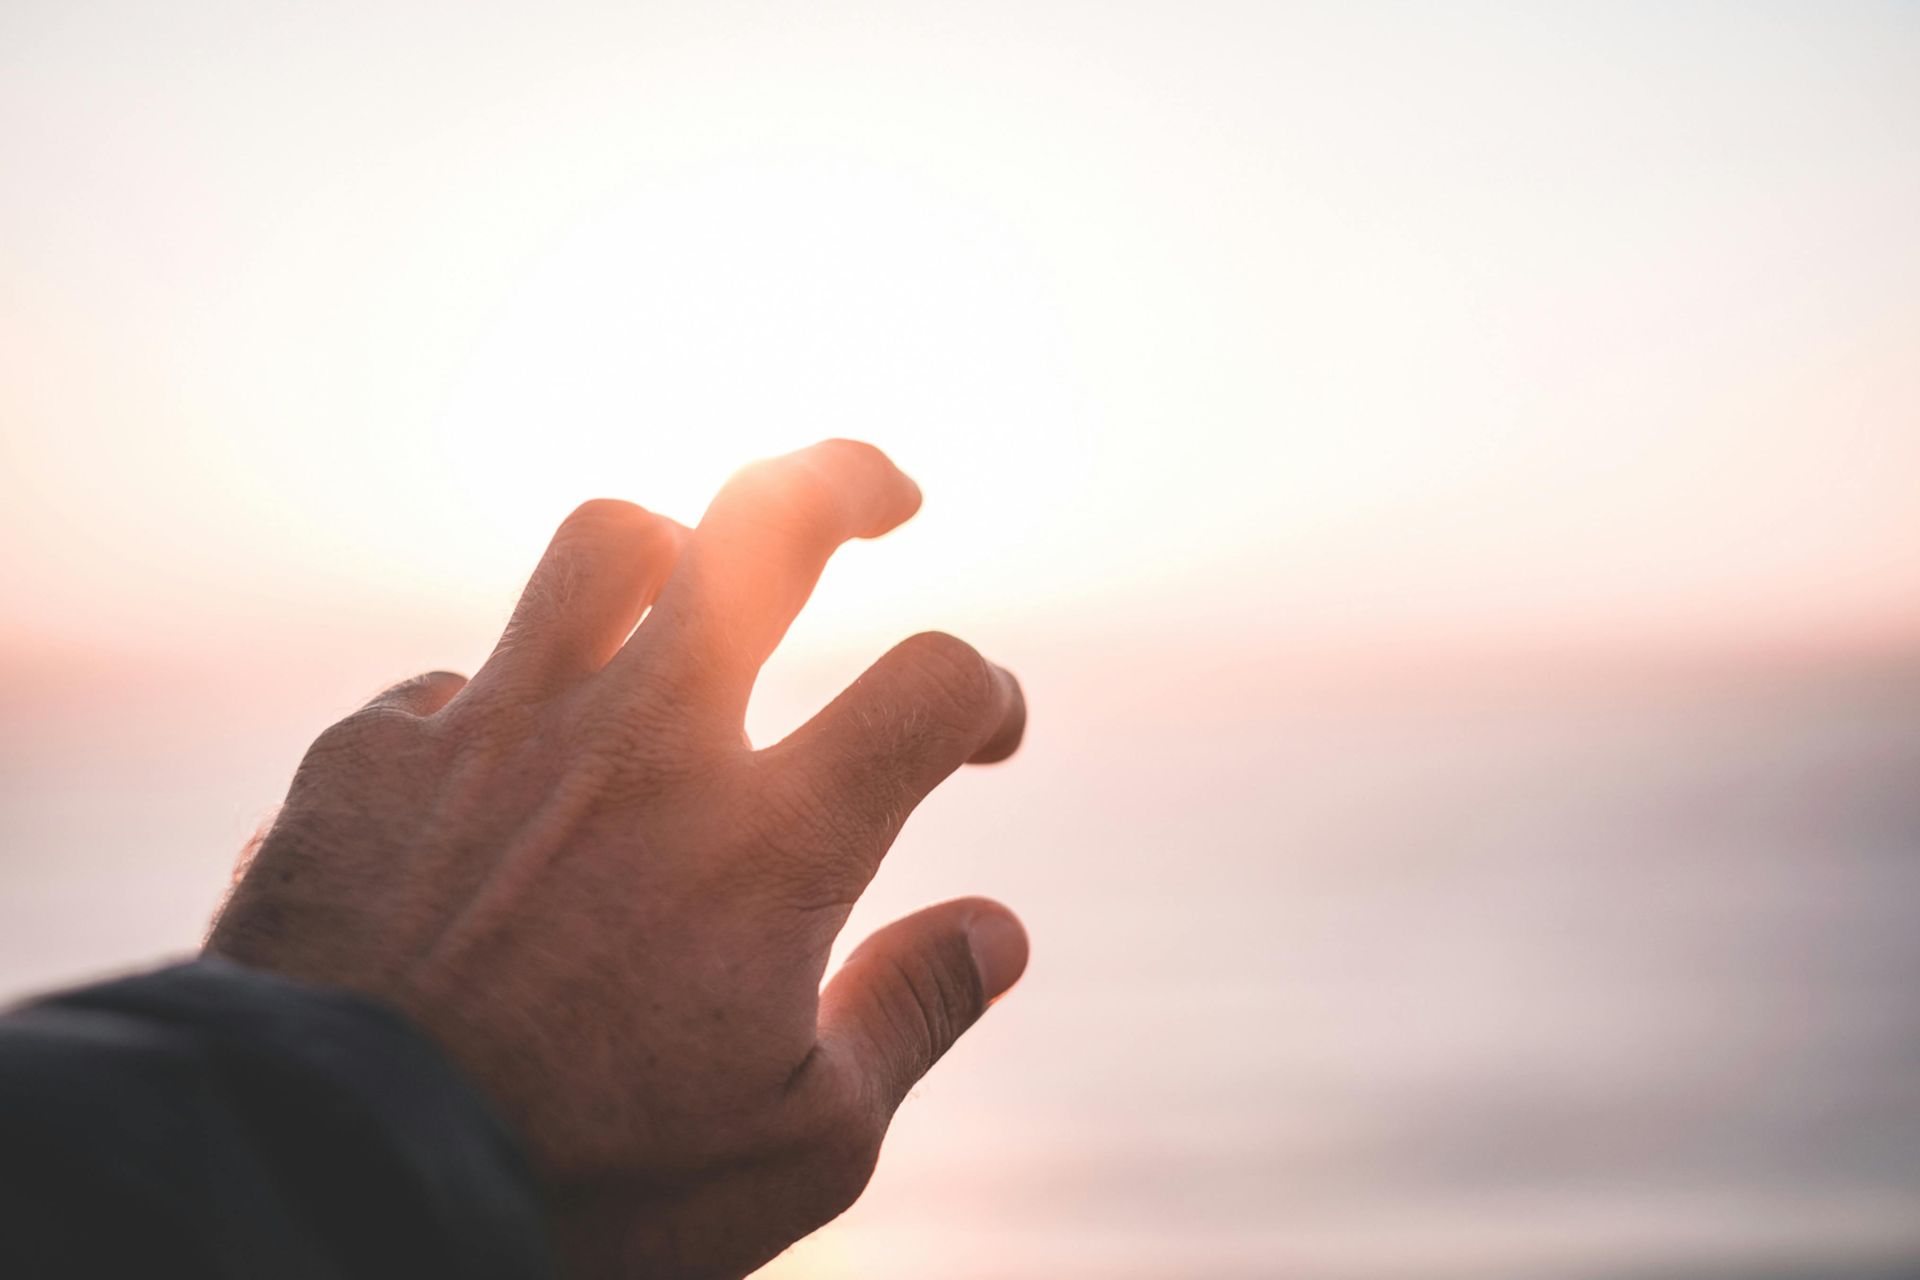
575	873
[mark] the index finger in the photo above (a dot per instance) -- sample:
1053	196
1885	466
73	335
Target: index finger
750	565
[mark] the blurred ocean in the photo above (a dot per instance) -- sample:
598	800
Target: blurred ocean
1363	971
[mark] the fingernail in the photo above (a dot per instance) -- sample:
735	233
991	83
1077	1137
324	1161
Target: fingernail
913	497
1013	724
999	947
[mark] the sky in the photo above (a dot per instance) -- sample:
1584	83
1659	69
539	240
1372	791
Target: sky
1353	318
1263	366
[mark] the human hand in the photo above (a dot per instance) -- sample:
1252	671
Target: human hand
575	874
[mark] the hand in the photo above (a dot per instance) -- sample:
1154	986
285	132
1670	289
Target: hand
575	873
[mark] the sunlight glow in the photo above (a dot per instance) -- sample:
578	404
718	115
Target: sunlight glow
1193	335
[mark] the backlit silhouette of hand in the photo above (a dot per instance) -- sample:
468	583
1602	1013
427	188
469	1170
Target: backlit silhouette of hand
574	873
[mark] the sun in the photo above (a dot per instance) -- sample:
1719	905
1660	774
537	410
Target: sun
654	342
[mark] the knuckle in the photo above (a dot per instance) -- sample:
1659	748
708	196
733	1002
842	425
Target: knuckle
492	724
416	693
964	680
362	735
857	452
357	749
600	515
615	526
789	494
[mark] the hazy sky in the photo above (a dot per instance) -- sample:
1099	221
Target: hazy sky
1340	320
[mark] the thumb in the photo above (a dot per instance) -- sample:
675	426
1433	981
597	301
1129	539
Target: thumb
909	991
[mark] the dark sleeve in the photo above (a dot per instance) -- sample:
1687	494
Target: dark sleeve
209	1120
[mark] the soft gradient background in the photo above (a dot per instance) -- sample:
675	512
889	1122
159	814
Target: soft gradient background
1448	479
